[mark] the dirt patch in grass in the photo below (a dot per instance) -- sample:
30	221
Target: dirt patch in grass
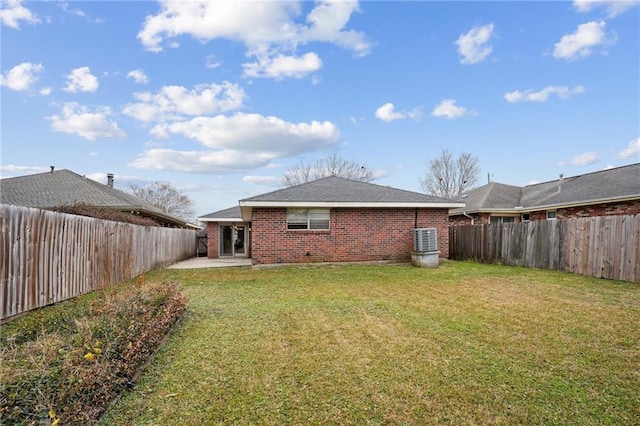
464	344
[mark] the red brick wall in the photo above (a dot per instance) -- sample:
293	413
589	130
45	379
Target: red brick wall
354	235
607	209
630	207
212	239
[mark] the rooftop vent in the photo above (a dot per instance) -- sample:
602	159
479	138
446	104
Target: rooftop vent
425	239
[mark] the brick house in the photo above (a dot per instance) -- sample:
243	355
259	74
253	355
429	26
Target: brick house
613	191
327	220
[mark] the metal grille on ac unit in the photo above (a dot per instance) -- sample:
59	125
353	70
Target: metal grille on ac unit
425	239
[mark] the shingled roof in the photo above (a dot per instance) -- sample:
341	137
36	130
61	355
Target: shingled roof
334	191
605	186
64	187
231	214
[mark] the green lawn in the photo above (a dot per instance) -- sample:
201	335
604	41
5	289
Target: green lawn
391	344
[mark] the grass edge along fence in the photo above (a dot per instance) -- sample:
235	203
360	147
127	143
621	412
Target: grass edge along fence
48	257
601	246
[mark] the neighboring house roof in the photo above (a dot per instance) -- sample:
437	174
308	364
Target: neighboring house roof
340	192
605	186
232	214
64	187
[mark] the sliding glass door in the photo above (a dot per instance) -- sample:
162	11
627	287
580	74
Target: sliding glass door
234	240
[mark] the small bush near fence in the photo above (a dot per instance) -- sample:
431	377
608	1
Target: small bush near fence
66	364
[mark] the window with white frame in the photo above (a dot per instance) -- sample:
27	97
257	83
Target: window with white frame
551	215
526	217
308	219
502	219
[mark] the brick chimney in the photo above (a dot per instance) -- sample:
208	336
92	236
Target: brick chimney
110	180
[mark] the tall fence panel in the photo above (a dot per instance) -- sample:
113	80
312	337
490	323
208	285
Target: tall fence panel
48	257
603	246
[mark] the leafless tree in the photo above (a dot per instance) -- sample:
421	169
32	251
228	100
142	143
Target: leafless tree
166	197
447	177
333	165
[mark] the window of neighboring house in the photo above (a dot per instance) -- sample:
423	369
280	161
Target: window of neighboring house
526	217
551	215
308	219
501	219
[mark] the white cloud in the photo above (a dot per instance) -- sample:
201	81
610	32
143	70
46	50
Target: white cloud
612	7
77	119
581	43
263	180
271	31
474	46
258	133
211	62
138	76
632	150
45	91
174	102
448	108
563	92
12	168
12	12
328	21
584	159
22	76
281	66
65	6
239	142
81	80
199	161
388	114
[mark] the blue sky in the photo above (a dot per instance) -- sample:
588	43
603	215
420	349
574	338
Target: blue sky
220	98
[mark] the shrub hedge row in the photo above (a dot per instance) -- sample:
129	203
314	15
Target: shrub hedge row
66	364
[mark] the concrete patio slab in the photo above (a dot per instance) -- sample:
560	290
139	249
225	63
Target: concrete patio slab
203	262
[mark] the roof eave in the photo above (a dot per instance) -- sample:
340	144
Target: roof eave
458	211
220	219
247	206
502	210
150	213
556	206
350	204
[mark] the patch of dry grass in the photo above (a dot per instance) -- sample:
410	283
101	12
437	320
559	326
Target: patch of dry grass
462	344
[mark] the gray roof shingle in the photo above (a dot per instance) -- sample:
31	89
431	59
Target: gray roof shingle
602	186
230	213
64	187
338	190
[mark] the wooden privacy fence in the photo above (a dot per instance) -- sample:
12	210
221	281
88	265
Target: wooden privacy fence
603	246
48	257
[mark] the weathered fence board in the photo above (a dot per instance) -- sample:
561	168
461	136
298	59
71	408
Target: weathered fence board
48	257
603	246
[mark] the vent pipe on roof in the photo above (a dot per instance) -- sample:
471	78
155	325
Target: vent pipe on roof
560	182
110	180
52	168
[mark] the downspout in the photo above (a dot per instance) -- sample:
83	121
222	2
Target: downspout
466	215
415	220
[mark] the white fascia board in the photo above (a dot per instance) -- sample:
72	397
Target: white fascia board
349	204
530	209
220	219
582	203
515	210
